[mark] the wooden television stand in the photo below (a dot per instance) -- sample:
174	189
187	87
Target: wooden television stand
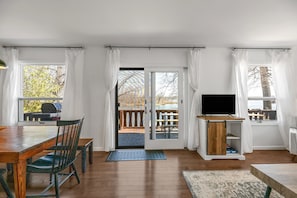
220	137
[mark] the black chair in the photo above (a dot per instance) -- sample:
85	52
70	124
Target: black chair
4	184
62	157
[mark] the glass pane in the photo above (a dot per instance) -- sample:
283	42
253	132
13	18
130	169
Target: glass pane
260	82
165	102
131	108
43	87
43	80
40	109
258	112
260	86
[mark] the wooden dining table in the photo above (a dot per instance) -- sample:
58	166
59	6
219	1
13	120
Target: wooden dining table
280	177
19	143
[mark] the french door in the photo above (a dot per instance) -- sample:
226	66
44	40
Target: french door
164	109
149	109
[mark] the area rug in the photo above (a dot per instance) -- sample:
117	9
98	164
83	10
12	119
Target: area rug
135	154
226	184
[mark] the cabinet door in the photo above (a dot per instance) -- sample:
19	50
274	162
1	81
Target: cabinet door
216	138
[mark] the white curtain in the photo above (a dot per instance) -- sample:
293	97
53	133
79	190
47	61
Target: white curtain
111	76
10	84
194	57
240	65
285	85
72	107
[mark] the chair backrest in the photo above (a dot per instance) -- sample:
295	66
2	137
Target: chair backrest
66	143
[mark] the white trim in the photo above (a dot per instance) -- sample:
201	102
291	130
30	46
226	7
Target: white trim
264	123
262	98
37	123
98	148
40	63
40	98
276	147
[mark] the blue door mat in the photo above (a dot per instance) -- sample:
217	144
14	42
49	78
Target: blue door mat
135	154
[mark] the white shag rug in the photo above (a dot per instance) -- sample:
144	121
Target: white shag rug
226	184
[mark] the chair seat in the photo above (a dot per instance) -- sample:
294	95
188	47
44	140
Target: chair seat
43	164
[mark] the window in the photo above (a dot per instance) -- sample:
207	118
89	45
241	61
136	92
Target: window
261	94
42	91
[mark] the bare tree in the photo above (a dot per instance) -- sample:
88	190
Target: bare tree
262	74
265	76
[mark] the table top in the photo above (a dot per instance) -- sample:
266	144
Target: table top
280	177
15	140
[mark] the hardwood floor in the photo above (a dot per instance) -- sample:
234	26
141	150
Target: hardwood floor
157	178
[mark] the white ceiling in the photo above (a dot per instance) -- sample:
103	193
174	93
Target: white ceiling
218	23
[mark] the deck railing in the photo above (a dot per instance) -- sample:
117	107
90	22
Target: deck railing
257	114
135	118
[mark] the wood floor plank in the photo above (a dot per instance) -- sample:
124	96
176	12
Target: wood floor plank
151	179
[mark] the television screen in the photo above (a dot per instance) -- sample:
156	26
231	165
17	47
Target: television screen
218	104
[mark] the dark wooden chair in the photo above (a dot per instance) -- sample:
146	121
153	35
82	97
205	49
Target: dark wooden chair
4	184
62	157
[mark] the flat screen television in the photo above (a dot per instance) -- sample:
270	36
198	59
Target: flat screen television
218	104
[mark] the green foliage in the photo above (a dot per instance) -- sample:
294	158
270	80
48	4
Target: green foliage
41	81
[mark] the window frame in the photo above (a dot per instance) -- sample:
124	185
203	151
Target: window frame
21	98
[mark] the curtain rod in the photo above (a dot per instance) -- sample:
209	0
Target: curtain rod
22	46
261	48
158	47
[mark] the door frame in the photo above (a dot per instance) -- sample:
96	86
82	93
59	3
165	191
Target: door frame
165	143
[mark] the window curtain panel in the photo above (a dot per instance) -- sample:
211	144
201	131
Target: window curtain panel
285	85
194	57
111	77
72	107
10	88
240	66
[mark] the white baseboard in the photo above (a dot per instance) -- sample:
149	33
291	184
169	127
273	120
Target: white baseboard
254	147
98	149
269	148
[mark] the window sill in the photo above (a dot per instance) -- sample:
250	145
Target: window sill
38	123
264	123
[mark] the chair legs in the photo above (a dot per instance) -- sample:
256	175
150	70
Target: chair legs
57	185
75	173
5	185
56	180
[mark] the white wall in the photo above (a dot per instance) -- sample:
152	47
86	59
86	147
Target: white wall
267	137
94	95
153	57
216	77
216	71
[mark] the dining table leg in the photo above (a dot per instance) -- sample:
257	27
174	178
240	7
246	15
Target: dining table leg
19	175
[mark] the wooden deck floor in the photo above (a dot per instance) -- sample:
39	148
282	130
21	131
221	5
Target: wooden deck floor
132	130
151	179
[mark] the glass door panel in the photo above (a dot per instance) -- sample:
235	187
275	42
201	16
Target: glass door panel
163	109
130	109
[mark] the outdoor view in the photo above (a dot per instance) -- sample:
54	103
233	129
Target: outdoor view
262	103
131	106
43	87
164	104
